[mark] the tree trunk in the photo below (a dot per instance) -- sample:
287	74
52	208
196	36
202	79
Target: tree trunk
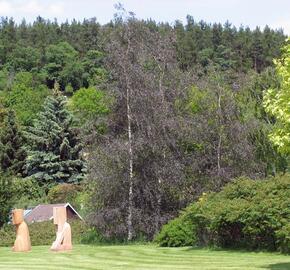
219	154
159	183
130	197
130	151
219	135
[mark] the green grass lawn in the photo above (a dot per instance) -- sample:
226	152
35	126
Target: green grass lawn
140	257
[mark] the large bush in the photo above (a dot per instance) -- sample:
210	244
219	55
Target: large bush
245	214
178	232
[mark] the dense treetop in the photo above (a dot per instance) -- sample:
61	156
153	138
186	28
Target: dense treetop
70	52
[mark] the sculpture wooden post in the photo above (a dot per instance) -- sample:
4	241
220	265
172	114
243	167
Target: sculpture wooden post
22	242
63	234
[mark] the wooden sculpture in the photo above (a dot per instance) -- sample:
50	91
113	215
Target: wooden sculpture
22	242
63	234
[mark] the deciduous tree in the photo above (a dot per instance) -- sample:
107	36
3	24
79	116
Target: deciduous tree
276	102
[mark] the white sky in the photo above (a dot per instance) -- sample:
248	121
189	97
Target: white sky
275	13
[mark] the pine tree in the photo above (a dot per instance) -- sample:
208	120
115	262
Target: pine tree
12	152
54	154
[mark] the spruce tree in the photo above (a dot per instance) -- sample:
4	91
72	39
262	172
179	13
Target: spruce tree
54	150
12	152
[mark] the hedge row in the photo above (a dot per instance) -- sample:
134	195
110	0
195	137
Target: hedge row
42	233
245	214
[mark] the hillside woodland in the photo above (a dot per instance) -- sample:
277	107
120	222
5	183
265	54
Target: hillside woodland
134	120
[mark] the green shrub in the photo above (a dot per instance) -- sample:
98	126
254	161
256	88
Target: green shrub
283	238
42	233
63	193
92	236
177	233
7	235
245	214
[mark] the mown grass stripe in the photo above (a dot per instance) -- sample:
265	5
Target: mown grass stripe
140	257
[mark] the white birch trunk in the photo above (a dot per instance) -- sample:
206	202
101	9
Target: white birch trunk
219	134
130	198
130	152
159	184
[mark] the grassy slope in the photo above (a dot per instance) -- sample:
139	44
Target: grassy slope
140	257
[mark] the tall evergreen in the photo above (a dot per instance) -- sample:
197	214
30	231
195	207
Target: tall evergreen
12	152
7	197
54	150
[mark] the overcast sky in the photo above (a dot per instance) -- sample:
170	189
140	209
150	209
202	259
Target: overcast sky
275	13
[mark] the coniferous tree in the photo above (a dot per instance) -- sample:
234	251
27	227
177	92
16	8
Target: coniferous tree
12	152
54	150
7	196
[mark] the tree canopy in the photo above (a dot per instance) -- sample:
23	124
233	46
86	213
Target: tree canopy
277	102
54	149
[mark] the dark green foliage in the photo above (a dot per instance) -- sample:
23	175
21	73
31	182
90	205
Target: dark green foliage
61	54
43	233
3	112
68	53
95	73
245	214
23	59
12	152
7	197
54	149
7	235
283	238
64	193
4	79
199	43
63	66
73	53
93	237
29	193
